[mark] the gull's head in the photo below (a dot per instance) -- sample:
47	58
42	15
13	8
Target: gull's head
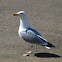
22	14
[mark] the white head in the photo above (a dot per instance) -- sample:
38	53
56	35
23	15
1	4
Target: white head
22	14
23	20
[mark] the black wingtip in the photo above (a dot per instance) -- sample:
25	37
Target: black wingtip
50	45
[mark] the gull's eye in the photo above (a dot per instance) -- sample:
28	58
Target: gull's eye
21	13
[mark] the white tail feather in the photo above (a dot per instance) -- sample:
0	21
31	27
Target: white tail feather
47	47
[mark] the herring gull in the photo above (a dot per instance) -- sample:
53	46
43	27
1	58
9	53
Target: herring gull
30	35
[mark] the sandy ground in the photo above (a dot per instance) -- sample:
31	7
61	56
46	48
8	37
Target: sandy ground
43	15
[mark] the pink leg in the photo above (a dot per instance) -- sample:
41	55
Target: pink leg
27	53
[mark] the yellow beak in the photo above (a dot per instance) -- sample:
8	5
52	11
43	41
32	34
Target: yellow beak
15	14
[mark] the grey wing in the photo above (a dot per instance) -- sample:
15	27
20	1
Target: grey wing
31	36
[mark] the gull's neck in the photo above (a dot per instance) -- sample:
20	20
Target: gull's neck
23	24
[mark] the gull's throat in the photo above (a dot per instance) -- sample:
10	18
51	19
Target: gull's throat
23	24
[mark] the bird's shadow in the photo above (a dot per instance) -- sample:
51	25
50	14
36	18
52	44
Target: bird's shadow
46	55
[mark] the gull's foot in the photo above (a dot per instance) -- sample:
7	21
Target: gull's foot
26	54
29	52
